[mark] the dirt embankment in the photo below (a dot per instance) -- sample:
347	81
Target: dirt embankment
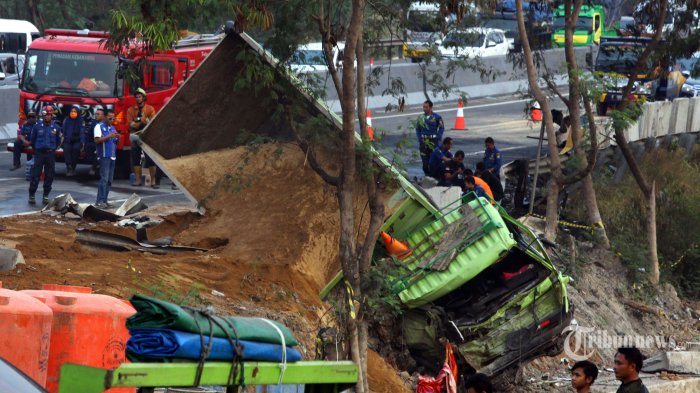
272	225
606	299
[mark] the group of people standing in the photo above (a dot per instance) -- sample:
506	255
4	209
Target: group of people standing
97	141
440	163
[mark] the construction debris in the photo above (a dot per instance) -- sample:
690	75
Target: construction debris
111	241
685	362
65	203
9	258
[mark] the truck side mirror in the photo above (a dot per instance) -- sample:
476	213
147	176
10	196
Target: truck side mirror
589	60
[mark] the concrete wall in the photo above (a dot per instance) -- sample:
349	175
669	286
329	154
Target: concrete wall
661	118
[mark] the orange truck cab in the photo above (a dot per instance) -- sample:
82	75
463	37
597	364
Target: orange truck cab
73	67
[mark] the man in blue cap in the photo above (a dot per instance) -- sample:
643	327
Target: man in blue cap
46	138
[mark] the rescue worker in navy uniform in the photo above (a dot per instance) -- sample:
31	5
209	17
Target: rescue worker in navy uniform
74	139
492	157
429	130
23	141
46	138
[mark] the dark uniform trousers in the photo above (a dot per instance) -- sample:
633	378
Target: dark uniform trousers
44	160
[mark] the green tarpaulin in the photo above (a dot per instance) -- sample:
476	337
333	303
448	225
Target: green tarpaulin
155	313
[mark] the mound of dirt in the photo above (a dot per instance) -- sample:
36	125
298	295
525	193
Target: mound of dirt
273	209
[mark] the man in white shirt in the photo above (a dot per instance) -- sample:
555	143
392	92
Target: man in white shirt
106	137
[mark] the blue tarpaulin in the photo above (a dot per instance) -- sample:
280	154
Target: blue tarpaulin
165	344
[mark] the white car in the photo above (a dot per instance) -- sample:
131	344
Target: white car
474	42
310	58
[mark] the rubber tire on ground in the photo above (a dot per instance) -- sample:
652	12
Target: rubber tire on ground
601	109
415	59
123	166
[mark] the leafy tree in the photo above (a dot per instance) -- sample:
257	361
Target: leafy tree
579	94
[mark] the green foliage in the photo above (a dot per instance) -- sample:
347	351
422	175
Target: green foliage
678	219
379	303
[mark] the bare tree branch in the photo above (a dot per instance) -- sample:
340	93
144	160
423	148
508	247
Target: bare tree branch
308	151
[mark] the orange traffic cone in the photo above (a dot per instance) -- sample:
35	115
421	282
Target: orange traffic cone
460	122
536	112
370	131
396	248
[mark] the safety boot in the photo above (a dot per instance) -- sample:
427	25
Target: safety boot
137	175
152	173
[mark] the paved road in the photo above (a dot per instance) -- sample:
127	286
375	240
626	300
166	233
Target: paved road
502	118
83	188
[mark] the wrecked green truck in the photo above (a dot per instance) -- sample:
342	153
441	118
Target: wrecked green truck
476	275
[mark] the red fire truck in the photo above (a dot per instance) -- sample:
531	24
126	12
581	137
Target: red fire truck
72	67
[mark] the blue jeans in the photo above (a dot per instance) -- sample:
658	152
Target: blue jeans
107	166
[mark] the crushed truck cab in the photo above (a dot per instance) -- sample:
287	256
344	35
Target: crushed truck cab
479	278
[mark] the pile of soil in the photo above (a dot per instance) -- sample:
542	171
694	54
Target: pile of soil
270	222
273	209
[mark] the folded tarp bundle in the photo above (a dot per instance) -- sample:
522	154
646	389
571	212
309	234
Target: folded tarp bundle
166	344
155	313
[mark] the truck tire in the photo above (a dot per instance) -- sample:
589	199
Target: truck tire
601	109
123	166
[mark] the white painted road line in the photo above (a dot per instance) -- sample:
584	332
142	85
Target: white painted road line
452	109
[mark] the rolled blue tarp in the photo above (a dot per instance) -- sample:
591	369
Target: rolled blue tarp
166	344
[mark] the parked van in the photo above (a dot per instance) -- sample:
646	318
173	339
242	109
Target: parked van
15	37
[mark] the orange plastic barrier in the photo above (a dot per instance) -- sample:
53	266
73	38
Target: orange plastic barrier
25	323
87	329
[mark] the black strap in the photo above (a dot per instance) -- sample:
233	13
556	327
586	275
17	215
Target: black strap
209	314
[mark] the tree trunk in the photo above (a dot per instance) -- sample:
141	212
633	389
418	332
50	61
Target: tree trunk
555	164
355	349
576	90
362	341
594	219
552	218
651	234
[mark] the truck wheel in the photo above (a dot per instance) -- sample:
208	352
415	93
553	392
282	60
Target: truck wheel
415	59
123	166
601	109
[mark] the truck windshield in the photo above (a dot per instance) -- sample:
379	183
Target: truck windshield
71	74
462	39
424	21
309	57
619	58
509	26
582	23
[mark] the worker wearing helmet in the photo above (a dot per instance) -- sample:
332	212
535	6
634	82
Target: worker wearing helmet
138	116
23	143
46	138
